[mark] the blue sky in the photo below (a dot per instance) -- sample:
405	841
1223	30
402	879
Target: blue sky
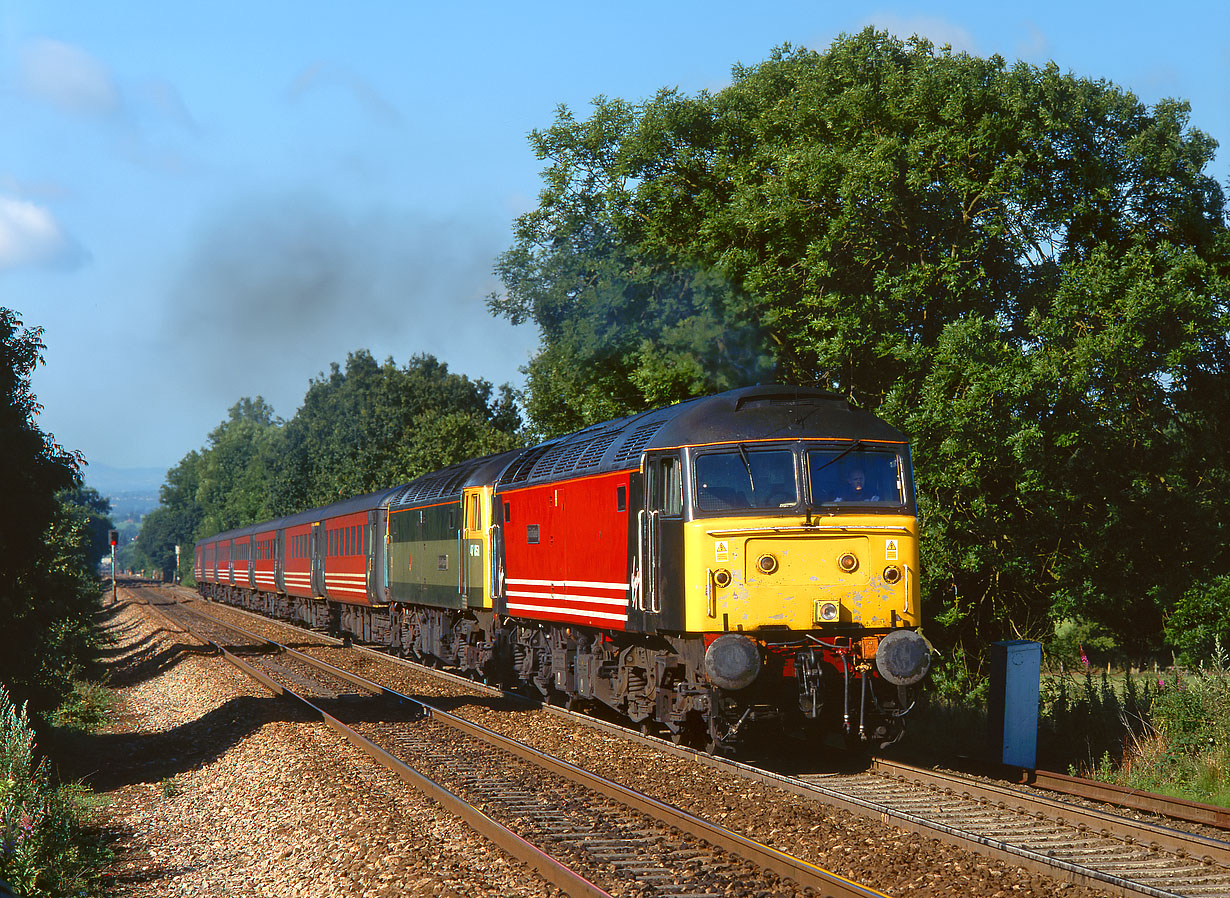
342	176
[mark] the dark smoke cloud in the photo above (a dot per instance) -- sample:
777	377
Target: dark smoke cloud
277	287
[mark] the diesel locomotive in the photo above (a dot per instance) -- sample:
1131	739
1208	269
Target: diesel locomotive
700	569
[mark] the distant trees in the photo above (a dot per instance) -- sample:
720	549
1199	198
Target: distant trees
174	522
1025	270
360	429
373	426
51	538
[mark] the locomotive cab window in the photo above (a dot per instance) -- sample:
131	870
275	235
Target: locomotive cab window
861	478
742	479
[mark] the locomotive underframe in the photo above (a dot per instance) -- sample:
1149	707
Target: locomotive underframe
656	681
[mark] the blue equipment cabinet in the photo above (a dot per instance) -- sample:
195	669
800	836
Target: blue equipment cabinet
1013	703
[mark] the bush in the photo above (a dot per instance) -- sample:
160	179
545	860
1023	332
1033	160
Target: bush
1199	626
86	708
1188	750
1076	641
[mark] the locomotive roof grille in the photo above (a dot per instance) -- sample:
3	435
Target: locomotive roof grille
547	462
592	456
432	486
521	469
637	441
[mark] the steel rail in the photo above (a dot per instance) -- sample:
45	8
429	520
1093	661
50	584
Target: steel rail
1136	800
542	863
1177	842
804	873
1209	815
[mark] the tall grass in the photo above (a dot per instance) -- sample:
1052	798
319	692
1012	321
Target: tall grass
1088	721
1185	749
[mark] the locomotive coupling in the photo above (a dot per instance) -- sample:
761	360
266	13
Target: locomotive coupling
903	657
732	661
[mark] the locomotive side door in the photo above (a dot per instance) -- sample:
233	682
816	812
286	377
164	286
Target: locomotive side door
661	541
375	548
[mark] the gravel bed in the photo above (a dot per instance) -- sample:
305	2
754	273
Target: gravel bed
883	857
214	788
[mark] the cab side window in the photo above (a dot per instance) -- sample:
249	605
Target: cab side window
666	485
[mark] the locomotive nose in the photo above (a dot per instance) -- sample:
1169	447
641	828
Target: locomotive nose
732	661
903	657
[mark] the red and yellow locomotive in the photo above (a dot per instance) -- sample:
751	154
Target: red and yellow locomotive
739	558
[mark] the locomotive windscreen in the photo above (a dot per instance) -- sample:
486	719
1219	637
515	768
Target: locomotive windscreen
866	477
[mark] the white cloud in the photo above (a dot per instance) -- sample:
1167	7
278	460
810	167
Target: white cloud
31	236
68	77
934	29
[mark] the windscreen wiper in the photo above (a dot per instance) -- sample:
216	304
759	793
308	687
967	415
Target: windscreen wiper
836	458
747	463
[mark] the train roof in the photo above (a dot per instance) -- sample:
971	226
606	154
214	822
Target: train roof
448	483
346	506
749	414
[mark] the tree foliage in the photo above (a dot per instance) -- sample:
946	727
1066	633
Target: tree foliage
361	429
50	537
175	522
1025	270
373	426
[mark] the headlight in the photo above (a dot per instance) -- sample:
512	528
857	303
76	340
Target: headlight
767	564
848	563
892	574
827	612
721	578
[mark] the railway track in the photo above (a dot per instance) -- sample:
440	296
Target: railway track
586	834
1063	840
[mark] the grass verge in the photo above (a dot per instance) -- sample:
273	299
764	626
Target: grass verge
48	844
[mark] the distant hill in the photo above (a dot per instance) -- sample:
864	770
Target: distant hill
133	491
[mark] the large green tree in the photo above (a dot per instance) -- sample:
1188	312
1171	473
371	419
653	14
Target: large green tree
373	425
361	429
1024	269
49	537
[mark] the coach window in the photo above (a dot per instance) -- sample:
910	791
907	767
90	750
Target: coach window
666	485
